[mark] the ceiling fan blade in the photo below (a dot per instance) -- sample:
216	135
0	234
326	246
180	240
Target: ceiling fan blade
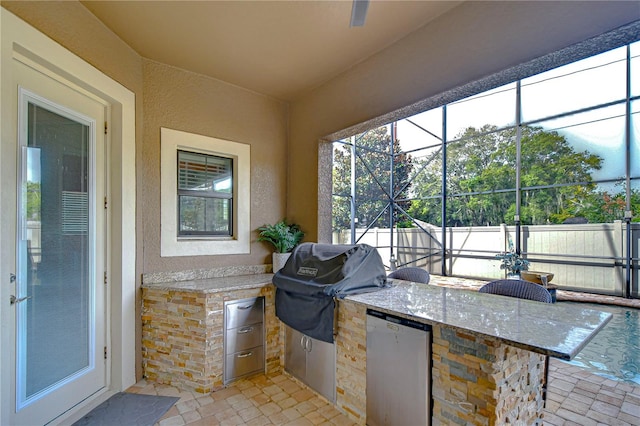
359	12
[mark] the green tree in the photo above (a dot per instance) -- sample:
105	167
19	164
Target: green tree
33	200
481	178
603	206
373	164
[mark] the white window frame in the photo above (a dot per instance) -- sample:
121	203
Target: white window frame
170	244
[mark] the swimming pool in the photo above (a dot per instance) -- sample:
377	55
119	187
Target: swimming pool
615	351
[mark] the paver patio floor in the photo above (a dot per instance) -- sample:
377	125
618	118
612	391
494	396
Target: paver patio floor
575	397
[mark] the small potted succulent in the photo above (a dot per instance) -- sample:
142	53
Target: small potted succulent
512	263
284	237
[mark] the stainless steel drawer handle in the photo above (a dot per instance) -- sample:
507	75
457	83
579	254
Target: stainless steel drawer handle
245	330
245	307
248	354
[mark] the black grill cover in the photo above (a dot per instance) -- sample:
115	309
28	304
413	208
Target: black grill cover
315	274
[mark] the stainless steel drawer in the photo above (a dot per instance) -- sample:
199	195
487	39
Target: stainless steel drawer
241	338
244	362
244	312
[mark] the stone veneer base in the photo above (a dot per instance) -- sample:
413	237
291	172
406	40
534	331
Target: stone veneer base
182	336
476	380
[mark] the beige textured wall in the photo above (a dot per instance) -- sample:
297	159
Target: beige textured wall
472	41
174	98
193	103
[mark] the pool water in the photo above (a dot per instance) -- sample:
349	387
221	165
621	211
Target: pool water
615	351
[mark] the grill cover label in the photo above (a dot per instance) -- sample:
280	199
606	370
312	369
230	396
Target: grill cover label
307	272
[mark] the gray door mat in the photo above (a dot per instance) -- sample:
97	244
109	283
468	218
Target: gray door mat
124	409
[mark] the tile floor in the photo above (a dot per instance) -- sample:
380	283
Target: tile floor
578	397
261	400
575	397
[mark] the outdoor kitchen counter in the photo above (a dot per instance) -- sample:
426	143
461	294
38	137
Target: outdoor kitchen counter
215	285
557	330
488	352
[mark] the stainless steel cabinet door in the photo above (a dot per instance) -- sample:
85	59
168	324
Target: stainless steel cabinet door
312	361
321	367
295	355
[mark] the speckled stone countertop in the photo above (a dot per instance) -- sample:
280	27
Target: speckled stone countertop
557	330
214	285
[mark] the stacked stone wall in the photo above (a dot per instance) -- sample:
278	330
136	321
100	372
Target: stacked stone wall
351	361
183	336
480	381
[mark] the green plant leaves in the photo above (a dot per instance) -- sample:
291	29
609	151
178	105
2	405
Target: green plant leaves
284	237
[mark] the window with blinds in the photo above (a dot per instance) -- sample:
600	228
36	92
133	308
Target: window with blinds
205	194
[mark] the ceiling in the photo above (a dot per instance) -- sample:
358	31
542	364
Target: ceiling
282	49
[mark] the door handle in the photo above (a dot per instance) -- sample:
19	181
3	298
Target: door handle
309	345
245	355
245	307
13	300
245	330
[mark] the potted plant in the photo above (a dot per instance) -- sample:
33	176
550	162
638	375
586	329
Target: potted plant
513	263
284	237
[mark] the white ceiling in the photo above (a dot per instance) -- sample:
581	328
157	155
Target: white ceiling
281	49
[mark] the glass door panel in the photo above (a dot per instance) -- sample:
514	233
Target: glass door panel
55	330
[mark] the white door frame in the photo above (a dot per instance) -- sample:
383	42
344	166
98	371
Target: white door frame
18	37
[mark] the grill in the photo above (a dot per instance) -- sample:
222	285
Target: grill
315	275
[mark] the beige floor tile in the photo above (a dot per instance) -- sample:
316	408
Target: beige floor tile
291	413
252	391
299	422
191	416
279	418
214	408
249	413
260	399
186	406
259	421
574	398
303	395
315	418
209	421
279	397
270	408
287	403
305	407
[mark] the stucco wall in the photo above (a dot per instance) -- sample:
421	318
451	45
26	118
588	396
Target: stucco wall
170	97
474	40
190	102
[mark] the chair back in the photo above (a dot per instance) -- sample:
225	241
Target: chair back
411	273
518	288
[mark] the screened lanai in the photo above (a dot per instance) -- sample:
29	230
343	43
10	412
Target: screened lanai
542	161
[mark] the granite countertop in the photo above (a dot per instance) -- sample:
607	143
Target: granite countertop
214	285
557	330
